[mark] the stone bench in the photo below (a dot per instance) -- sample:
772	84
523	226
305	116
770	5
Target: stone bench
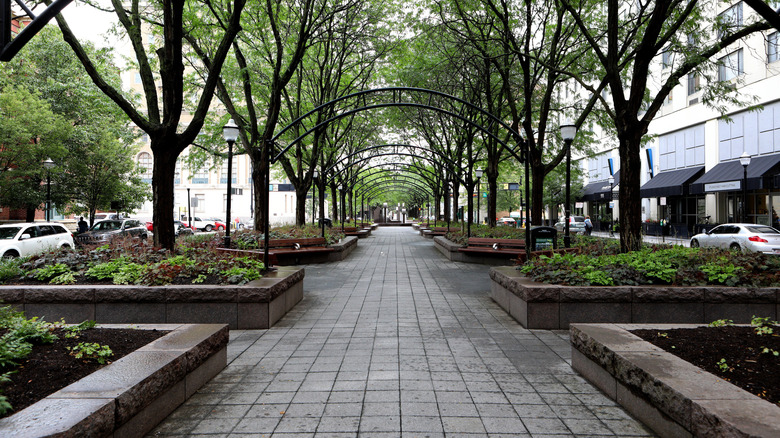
290	256
258	304
436	231
494	247
357	232
549	306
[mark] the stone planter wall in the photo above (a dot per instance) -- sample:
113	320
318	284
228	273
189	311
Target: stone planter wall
546	306
129	397
668	394
449	249
256	305
343	249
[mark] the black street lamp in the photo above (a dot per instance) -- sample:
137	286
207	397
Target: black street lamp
478	173
341	190
611	180
745	161
230	134
48	164
314	176
189	206
568	131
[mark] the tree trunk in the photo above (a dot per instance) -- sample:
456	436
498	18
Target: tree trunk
630	219
455	191
163	170
300	205
537	191
335	201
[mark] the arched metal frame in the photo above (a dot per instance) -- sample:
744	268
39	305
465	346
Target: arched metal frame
397	95
438	154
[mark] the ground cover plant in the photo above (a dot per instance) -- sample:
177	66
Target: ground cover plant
195	260
246	239
747	356
37	358
484	231
599	263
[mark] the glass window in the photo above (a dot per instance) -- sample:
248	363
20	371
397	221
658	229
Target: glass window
46	230
771	47
201	203
730	20
223	172
730	66
137	78
201	176
8	232
693	83
666	58
145	162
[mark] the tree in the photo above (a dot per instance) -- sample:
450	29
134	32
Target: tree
29	134
97	163
626	37
164	125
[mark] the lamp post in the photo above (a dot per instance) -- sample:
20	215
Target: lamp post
189	213
745	161
568	131
611	180
478	173
524	143
48	164
314	176
341	191
230	134
384	209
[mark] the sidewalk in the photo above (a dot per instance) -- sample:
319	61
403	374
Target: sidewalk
395	342
650	239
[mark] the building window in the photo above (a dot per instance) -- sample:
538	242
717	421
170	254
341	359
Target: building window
730	66
201	176
145	163
730	20
199	203
223	172
668	99
138	78
177	174
666	58
693	83
771	47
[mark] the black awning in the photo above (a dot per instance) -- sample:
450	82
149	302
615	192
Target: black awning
728	176
599	191
670	183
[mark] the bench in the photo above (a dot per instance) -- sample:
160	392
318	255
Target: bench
358	232
436	231
497	247
286	252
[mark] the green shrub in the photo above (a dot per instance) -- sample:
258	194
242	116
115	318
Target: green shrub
9	268
48	272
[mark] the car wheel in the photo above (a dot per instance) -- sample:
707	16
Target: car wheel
209	228
221	228
735	247
144	237
12	254
694	243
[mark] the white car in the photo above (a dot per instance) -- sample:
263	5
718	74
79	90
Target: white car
25	239
751	237
206	224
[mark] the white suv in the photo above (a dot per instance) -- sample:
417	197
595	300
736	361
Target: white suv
25	239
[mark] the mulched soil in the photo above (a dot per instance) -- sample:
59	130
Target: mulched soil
50	367
747	365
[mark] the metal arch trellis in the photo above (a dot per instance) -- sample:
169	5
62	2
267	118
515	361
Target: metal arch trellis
397	94
8	47
382	146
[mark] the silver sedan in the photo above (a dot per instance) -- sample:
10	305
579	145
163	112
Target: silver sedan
751	237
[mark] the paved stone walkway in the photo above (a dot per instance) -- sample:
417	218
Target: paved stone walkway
396	341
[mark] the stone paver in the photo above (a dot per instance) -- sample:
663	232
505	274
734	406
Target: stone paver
396	341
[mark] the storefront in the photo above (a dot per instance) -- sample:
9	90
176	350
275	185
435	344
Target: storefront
674	204
598	197
726	182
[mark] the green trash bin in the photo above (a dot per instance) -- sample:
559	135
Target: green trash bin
544	238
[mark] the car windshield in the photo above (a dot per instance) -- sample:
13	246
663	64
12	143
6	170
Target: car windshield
107	225
9	232
762	230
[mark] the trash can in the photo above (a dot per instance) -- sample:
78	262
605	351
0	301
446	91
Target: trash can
544	238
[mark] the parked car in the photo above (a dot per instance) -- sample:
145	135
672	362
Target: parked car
176	225
507	221
245	222
25	239
106	230
206	224
104	216
750	237
576	225
181	229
